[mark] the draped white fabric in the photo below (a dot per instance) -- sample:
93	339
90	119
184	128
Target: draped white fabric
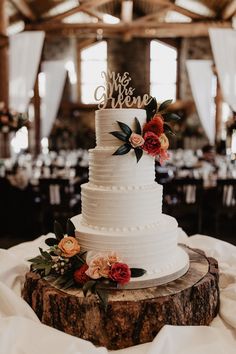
54	77
22	332
201	81
24	53
223	42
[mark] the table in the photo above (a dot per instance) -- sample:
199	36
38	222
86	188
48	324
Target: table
21	331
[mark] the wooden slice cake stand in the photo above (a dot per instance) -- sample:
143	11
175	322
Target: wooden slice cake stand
132	316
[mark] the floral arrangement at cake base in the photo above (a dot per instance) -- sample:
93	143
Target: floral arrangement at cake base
152	140
67	266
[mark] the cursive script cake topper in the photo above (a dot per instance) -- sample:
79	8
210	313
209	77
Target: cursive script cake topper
117	92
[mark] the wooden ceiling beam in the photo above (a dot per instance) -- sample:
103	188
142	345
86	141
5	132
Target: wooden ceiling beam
24	9
154	29
147	18
180	9
229	11
85	6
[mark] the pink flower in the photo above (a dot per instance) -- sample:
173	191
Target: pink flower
163	155
152	144
156	125
98	267
136	140
120	272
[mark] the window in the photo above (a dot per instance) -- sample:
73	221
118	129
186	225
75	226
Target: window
93	62
163	71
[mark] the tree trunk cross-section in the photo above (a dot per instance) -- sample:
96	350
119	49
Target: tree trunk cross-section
132	316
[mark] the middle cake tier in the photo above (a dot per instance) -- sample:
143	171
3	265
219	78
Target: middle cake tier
106	169
119	207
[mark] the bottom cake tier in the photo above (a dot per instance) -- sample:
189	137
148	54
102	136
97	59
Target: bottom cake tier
153	248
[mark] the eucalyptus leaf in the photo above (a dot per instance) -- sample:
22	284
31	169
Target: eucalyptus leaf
122	150
168	130
58	230
163	106
51	241
120	135
70	228
137	272
138	128
103	296
168	117
125	128
138	153
88	286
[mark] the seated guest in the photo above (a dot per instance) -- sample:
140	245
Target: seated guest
208	154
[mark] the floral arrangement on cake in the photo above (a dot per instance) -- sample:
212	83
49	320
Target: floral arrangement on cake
11	121
152	138
67	266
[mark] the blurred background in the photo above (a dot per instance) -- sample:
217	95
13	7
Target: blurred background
51	57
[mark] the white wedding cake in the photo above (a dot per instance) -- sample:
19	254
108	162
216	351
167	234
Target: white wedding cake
122	206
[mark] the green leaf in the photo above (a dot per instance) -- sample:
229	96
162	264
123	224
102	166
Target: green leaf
168	130
168	117
103	296
151	108
125	128
123	149
138	153
120	135
137	272
58	230
89	285
164	105
48	269
70	228
138	128
45	254
36	259
51	241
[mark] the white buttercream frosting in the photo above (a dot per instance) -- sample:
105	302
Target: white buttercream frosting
106	122
122	203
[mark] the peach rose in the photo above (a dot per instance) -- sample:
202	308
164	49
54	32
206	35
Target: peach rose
98	267
113	258
69	246
164	141
136	140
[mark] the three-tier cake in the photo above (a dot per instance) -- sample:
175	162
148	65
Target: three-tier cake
122	206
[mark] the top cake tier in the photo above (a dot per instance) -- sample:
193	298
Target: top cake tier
106	122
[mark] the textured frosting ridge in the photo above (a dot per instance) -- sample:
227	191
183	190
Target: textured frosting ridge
122	203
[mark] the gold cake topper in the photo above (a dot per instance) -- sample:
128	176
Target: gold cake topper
117	93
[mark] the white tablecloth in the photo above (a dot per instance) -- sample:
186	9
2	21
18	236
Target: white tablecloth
22	333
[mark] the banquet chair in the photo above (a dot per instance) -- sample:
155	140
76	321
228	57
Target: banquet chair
182	199
56	197
225	200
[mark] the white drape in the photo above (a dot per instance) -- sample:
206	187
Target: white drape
54	75
201	81
24	58
223	42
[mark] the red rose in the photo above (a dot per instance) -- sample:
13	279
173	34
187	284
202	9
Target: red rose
152	144
155	125
79	275
120	272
